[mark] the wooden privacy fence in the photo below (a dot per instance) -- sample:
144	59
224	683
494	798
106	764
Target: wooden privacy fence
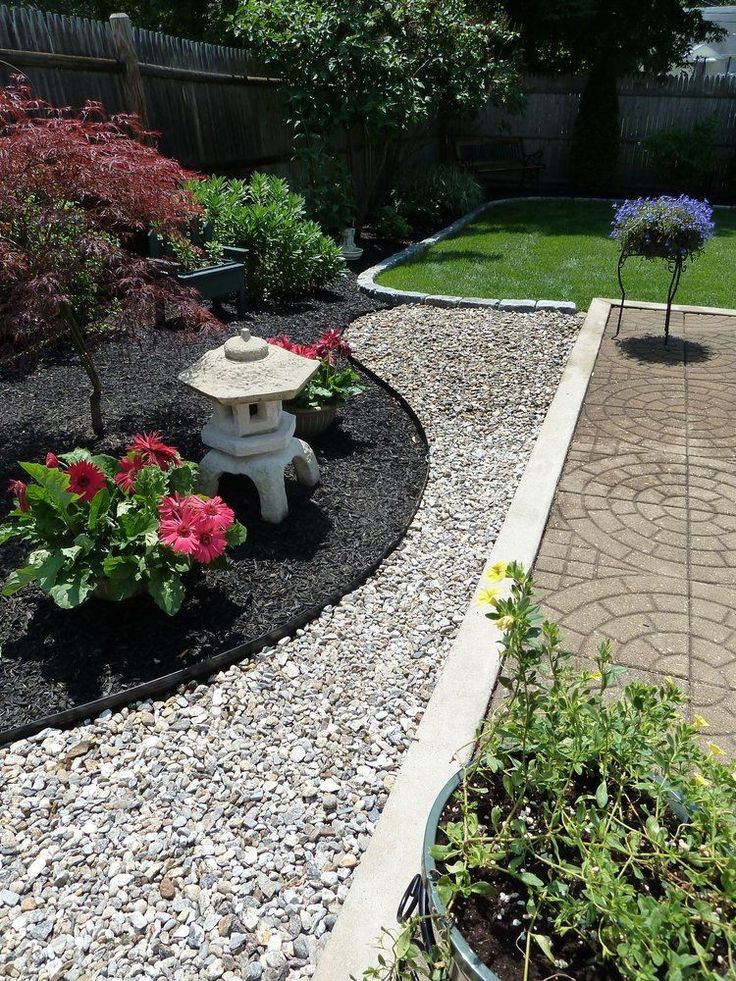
646	106
213	109
217	112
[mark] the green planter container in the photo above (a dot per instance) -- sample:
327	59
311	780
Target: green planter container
466	965
214	282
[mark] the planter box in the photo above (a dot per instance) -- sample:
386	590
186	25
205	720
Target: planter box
311	422
214	282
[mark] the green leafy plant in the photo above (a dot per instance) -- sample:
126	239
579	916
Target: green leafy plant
390	222
605	818
327	187
287	254
363	71
437	194
685	159
115	528
334	382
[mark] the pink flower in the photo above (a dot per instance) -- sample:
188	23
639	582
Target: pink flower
130	466
155	453
52	461
85	479
18	487
210	544
181	534
218	514
172	508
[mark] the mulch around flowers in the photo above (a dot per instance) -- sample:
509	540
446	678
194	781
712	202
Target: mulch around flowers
373	466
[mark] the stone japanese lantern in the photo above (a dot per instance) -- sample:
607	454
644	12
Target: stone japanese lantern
249	433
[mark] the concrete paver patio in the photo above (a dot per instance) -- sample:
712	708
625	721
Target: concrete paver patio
640	545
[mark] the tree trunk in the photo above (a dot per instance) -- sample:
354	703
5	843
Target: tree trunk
595	142
95	398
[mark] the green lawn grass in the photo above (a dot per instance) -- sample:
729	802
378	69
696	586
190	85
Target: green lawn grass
561	250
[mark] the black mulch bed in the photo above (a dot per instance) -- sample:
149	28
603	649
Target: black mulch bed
373	467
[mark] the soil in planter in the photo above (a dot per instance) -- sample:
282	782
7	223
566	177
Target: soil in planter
492	928
373	465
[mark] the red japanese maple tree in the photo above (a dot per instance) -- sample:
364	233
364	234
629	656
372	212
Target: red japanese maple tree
75	188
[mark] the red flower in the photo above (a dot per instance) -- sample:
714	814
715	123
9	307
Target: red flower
218	514
305	350
18	487
210	544
155	453
52	461
181	534
85	479
130	466
331	342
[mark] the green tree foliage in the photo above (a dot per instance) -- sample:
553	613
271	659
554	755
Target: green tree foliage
607	39
379	66
193	19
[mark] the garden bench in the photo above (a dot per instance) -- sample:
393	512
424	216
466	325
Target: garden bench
498	157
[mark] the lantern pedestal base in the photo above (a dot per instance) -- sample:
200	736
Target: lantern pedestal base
266	470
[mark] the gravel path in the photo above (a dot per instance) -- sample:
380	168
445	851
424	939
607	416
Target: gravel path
213	834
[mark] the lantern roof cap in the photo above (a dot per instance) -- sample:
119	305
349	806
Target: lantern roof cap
247	369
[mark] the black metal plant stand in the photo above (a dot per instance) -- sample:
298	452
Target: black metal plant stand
676	267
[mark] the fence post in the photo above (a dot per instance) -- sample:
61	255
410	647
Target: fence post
121	31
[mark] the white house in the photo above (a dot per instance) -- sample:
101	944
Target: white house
717	57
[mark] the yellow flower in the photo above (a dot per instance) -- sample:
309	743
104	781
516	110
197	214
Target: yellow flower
497	572
505	623
715	750
699	722
700	780
489	597
595	676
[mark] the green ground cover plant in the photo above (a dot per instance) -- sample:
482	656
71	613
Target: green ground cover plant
560	250
601	809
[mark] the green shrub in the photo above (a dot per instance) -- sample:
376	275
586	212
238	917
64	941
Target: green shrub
437	194
390	222
682	158
286	253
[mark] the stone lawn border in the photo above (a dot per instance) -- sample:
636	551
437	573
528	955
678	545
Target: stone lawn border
367	279
463	690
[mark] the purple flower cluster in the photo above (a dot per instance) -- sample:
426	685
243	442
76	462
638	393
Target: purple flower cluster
664	227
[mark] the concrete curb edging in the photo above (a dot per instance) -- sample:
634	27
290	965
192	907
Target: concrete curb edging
462	692
367	279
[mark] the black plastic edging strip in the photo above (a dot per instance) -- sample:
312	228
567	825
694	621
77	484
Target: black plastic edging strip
168	682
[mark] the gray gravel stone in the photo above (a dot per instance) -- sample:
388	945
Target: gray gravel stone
214	833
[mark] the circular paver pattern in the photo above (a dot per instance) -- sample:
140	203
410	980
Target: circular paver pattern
213	834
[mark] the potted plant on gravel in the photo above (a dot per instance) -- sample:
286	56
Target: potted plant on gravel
592	836
97	526
333	384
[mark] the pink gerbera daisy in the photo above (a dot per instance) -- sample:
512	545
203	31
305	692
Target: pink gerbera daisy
210	544
130	466
181	534
85	479
172	508
218	514
154	451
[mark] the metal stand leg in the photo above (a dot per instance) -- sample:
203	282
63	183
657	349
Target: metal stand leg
674	283
621	260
